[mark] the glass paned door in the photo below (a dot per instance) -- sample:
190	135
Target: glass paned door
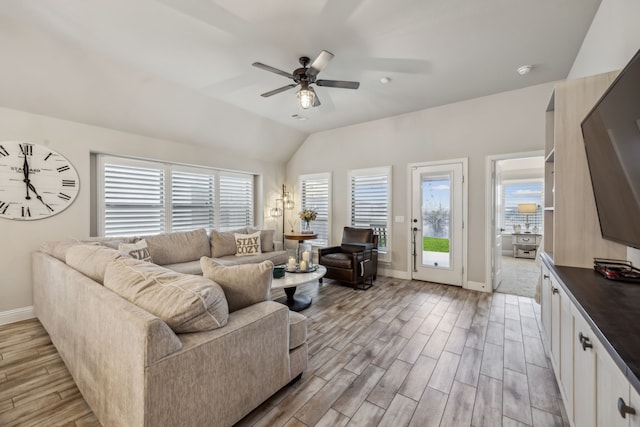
437	228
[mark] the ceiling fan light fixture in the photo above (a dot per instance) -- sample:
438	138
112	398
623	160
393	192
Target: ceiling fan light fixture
306	96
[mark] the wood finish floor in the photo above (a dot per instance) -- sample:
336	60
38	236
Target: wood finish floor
401	353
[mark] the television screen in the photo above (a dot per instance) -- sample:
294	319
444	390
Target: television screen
611	134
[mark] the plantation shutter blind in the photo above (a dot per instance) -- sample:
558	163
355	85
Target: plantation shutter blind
370	203
315	195
236	201
133	200
192	201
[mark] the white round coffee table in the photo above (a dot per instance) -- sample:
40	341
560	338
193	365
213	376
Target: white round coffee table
292	280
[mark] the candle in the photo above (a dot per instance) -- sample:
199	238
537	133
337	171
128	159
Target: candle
305	256
292	262
303	265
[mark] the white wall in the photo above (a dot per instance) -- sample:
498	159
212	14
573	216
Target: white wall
508	122
612	40
76	141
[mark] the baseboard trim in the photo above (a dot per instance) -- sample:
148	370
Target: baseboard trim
396	274
16	315
477	286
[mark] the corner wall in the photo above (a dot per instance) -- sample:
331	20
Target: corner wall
509	122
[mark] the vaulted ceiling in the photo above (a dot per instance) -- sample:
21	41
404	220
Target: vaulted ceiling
171	68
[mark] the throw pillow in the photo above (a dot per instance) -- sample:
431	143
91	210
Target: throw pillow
223	243
266	238
91	260
138	250
186	303
244	284
247	244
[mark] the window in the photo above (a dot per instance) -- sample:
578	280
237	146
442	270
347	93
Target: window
146	197
517	192
369	201
315	194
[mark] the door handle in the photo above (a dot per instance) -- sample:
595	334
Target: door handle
584	340
554	290
624	409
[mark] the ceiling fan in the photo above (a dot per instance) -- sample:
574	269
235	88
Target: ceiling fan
305	77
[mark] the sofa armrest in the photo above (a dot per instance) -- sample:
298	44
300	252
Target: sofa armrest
329	250
224	373
356	247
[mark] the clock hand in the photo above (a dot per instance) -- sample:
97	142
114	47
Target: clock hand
39	197
25	172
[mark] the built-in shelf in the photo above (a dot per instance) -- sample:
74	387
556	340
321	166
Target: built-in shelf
550	157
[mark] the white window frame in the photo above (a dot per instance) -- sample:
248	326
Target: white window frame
168	168
384	255
321	240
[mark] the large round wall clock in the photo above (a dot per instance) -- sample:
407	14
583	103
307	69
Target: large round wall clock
35	181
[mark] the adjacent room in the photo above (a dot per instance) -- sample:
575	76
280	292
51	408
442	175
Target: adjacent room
331	213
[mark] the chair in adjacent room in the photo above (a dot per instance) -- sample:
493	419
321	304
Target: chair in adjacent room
355	261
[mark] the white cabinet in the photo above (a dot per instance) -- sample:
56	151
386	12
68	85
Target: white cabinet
611	385
545	299
555	324
566	349
584	368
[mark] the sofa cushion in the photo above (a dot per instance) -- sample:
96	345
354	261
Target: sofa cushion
185	302
223	243
277	258
91	260
58	249
138	250
189	267
179	246
338	260
247	244
297	329
244	284
266	239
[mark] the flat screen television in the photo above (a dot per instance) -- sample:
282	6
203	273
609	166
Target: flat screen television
611	133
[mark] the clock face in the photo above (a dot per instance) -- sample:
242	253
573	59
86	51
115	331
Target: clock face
35	181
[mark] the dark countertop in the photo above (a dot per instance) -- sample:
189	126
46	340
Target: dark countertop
612	310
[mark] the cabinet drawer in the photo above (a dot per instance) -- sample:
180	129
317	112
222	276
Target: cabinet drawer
526	240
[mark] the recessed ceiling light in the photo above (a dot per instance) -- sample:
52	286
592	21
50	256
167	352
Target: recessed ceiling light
524	69
385	80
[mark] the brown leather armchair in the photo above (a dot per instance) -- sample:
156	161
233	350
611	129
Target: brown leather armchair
355	261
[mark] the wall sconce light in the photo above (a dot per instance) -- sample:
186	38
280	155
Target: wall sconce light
287	204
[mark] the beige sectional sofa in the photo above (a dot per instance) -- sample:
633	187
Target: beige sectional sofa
132	368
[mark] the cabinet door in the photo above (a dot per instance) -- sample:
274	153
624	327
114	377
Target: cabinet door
566	350
545	302
584	368
634	399
555	325
611	385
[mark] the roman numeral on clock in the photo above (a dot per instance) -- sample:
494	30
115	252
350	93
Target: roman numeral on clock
3	151
64	196
3	207
26	149
68	182
47	157
26	212
63	168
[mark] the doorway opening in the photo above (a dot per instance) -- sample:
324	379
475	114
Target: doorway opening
516	222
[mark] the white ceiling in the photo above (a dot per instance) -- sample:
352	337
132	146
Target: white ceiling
173	57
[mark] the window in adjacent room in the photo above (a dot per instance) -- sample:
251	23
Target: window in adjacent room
145	197
369	204
519	192
315	193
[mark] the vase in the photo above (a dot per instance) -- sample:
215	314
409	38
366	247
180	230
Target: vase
306	227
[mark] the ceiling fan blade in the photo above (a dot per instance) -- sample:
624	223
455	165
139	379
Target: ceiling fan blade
319	63
273	70
338	83
316	100
276	91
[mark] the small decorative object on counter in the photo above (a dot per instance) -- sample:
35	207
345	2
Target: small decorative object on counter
307	215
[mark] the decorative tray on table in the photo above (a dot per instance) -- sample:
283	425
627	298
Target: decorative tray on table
297	269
